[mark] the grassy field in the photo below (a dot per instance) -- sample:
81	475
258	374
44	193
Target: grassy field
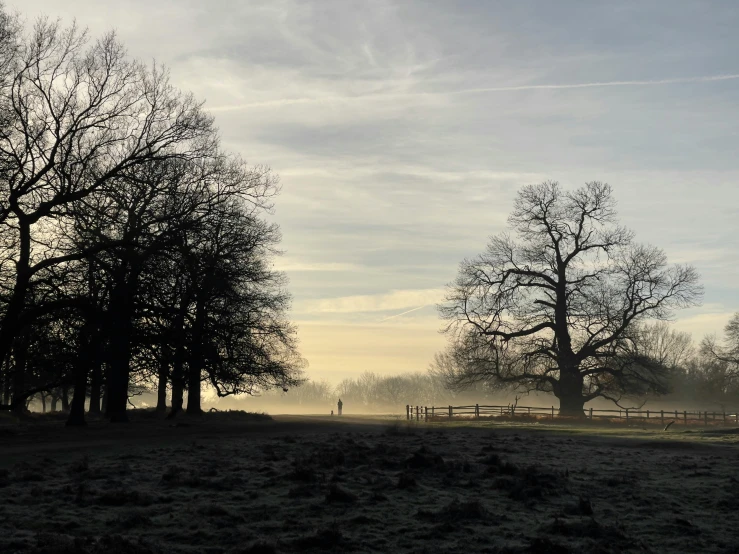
236	484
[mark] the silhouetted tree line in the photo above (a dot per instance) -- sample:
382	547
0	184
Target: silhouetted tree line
134	251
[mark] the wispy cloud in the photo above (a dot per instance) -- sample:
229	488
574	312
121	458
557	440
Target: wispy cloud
328	99
395	300
315	266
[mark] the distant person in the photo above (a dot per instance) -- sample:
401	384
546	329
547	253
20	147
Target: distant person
340	405
332	412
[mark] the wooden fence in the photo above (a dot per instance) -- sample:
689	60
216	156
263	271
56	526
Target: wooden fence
444	413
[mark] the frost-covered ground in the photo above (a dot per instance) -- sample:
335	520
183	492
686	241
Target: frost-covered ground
234	485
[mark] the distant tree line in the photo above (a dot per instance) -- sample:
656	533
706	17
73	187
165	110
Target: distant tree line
692	375
134	251
372	392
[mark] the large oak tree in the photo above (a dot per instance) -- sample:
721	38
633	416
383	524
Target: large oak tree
555	305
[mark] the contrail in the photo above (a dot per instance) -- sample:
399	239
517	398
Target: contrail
398	315
390	96
679	80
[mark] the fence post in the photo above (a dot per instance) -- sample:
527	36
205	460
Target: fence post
724	418
477	410
627	415
662	416
529	410
685	417
676	416
591	414
450	412
647	414
426	413
416	413
552	412
432	411
407	411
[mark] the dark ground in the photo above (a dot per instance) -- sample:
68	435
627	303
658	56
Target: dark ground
231	483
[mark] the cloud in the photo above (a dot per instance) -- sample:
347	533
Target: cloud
395	300
294	266
702	324
417	95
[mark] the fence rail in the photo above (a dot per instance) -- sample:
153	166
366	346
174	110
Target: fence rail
441	413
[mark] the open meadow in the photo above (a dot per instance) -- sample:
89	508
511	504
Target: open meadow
239	483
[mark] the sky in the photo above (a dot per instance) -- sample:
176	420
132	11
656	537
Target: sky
401	131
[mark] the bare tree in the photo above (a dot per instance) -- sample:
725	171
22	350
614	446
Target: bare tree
726	354
554	307
79	115
659	342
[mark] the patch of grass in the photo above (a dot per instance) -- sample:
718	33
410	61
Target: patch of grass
338	494
543	545
326	539
458	510
302	470
426	459
259	547
122	497
80	466
131	520
398	429
406	481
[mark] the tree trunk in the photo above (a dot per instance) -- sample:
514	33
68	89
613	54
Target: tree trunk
7	372
178	382
195	364
162	384
572	406
54	400
9	328
65	398
95	382
104	403
178	371
121	329
43	403
570	394
19	376
6	387
77	409
96	345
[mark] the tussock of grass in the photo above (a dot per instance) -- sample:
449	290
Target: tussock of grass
259	547
338	494
406	481
457	510
425	458
326	539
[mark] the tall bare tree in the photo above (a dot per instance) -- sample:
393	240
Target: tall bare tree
554	306
79	114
